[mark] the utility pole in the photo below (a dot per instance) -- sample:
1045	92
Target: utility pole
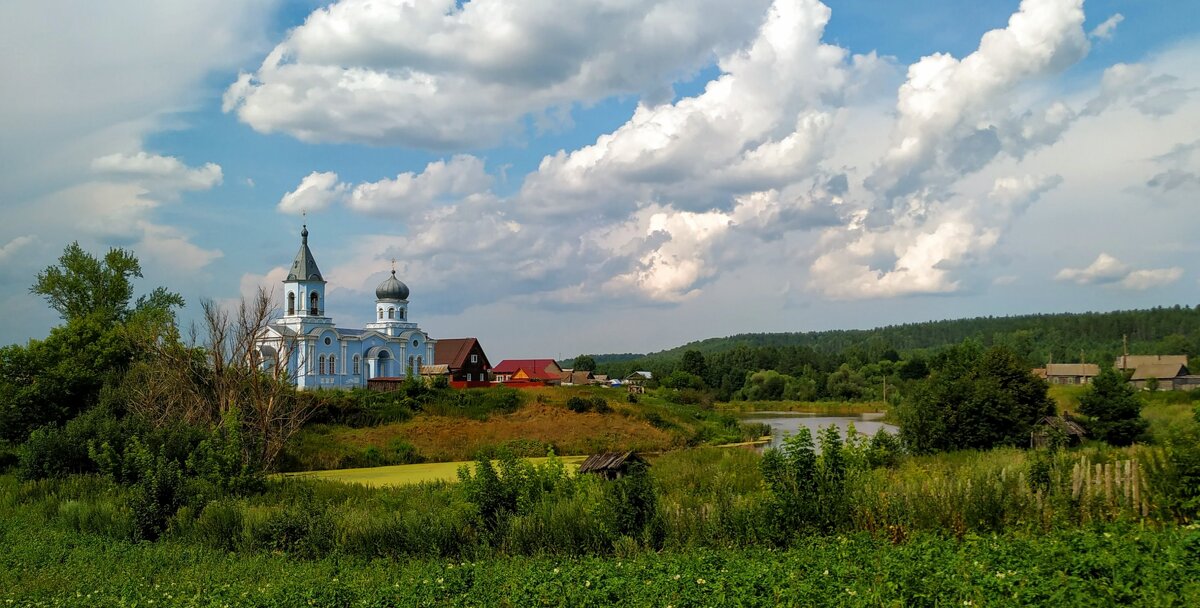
1124	352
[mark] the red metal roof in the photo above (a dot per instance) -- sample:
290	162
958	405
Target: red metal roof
510	366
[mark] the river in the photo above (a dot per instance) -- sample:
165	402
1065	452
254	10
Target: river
786	423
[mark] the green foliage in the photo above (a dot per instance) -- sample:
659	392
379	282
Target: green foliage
694	363
82	286
1113	407
585	363
680	379
974	399
884	450
54	451
631	506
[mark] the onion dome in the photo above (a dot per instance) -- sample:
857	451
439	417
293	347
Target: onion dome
392	289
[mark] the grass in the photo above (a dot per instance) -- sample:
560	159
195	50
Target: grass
408	474
1066	397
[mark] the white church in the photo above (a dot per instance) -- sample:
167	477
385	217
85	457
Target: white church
320	355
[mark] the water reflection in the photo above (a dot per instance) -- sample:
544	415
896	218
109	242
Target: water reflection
786	423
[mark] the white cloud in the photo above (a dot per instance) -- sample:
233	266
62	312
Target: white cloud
437	74
1108	270
1152	94
9	250
165	174
441	182
316	192
1105	30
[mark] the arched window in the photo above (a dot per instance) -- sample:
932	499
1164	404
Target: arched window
322	362
401	314
332	366
312	304
357	363
381	313
291	302
419	364
391	313
411	361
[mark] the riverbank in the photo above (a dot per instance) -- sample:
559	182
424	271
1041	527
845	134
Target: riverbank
830	408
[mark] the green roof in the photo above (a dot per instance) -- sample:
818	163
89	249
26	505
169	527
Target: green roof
304	267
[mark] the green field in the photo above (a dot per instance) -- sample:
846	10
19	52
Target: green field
405	474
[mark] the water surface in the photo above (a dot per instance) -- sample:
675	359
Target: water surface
787	423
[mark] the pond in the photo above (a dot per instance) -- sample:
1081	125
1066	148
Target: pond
786	423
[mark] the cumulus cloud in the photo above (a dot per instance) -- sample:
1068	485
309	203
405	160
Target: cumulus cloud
165	174
1178	168
441	182
316	192
439	73
9	250
1108	270
1105	30
761	124
1136	84
946	125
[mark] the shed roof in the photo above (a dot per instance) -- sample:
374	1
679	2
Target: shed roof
1072	369
608	461
1136	361
435	370
1158	370
1069	427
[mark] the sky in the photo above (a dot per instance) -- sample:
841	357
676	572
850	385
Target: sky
558	177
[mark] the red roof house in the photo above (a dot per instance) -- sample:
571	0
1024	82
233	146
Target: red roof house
543	370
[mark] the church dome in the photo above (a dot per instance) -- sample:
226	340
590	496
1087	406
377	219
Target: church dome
392	289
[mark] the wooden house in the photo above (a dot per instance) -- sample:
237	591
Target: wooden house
1164	375
1045	430
611	465
545	371
1071	373
464	359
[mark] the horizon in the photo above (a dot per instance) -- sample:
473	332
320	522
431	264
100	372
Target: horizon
621	181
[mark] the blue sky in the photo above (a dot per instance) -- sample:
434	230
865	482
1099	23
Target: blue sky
557	177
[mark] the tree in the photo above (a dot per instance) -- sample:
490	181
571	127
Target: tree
974	400
585	363
694	363
81	285
1114	408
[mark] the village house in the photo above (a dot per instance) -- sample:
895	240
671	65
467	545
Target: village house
1164	372
1070	373
545	371
464	359
575	377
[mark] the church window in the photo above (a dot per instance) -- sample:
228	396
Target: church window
332	367
391	313
416	344
357	362
401	314
291	302
328	341
312	304
322	363
411	362
381	313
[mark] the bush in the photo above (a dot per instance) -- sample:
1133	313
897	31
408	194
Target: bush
578	404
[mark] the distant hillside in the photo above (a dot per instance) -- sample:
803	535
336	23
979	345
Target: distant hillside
1062	336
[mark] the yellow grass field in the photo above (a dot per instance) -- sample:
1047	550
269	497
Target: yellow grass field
406	474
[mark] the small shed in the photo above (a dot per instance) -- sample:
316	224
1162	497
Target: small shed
1045	429
611	465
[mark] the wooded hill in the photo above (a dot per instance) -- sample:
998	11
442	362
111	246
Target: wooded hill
1062	337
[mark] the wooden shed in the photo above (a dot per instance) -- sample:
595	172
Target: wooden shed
1045	429
611	465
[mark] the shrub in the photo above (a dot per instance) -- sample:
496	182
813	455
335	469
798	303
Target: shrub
578	404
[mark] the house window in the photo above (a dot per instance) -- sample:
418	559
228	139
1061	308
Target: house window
291	303
357	361
474	358
332	367
322	363
312	304
470	377
391	313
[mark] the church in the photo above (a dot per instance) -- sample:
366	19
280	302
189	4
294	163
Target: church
318	354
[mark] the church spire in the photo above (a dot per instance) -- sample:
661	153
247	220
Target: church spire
304	267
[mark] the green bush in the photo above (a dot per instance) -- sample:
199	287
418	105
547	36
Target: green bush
578	404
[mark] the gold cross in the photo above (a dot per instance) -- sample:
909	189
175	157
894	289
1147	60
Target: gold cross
393	265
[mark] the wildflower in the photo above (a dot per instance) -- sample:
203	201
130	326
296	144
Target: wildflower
676	577
851	591
827	573
699	581
556	570
440	581
588	584
968	603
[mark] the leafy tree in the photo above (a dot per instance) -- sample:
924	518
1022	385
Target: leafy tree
81	285
1114	408
974	400
694	363
680	379
585	363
